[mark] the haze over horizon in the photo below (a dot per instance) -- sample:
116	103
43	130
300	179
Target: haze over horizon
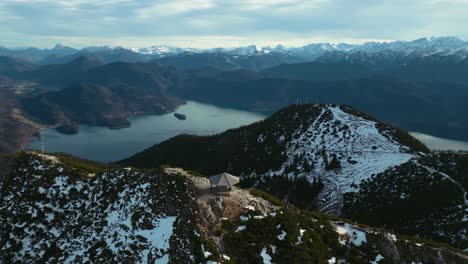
226	47
209	23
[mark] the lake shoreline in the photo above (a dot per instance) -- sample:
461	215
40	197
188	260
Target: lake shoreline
147	129
106	145
41	127
440	144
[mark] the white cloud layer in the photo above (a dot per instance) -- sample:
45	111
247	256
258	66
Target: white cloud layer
209	23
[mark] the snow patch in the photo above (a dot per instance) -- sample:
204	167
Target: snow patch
377	259
282	235
266	258
240	228
355	236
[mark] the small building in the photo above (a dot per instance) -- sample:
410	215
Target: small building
223	182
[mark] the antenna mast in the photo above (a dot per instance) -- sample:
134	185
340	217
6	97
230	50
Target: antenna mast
42	146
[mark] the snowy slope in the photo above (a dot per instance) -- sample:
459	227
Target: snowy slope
374	173
362	148
55	210
118	216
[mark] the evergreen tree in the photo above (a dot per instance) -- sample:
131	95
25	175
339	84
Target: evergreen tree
334	164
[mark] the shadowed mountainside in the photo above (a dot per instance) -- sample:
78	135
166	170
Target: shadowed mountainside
406	104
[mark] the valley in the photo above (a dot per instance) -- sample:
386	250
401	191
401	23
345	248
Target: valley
105	86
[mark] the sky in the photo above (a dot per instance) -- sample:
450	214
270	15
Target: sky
225	23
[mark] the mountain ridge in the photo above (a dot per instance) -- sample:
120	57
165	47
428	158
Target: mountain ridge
64	209
346	150
422	46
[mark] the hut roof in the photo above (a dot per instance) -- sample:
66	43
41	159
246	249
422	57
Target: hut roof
224	179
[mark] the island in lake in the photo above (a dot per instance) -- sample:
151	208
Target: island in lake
180	116
107	145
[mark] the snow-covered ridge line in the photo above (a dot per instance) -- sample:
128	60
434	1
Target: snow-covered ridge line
425	46
433	44
346	136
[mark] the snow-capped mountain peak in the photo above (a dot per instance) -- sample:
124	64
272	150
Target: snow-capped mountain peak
280	47
247	51
422	46
163	50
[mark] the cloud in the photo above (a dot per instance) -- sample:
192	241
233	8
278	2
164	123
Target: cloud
225	22
67	3
278	5
170	8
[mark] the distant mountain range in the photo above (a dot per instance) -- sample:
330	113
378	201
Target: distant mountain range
61	54
401	83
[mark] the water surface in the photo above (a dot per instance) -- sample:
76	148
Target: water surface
104	144
437	143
